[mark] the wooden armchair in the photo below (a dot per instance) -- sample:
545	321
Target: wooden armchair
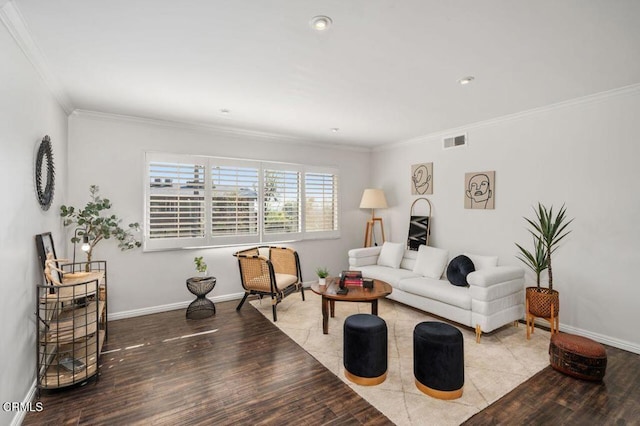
269	271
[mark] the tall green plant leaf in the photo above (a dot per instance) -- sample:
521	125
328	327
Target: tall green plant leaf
547	230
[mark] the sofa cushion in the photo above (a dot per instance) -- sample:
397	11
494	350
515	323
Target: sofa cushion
386	274
458	269
431	261
439	290
409	259
391	255
482	262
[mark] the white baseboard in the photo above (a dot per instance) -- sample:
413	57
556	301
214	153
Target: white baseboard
19	417
606	340
179	305
620	344
169	307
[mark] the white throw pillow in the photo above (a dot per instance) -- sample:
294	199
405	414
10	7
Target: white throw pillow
431	261
391	255
482	262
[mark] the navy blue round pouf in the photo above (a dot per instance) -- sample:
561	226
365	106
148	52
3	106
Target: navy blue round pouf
438	359
365	349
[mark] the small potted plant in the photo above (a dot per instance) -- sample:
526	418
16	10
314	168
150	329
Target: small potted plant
201	265
547	231
203	280
322	274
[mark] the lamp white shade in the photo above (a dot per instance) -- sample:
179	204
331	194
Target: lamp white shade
85	244
373	198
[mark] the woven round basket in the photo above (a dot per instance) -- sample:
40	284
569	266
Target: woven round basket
540	301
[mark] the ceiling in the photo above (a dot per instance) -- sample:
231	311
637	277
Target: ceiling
385	71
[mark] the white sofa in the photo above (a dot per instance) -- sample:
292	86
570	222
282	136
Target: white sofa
494	297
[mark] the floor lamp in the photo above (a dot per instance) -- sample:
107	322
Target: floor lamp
373	199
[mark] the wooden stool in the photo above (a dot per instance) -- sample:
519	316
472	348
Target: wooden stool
577	356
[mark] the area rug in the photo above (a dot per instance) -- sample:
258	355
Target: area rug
500	362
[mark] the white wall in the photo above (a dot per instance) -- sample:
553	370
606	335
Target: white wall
28	113
584	154
109	151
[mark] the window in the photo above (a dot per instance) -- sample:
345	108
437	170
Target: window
193	201
281	199
176	200
321	202
234	201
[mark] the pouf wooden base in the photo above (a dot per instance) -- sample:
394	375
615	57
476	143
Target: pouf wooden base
577	356
365	381
435	393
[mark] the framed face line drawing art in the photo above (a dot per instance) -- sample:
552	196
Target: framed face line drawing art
422	179
479	190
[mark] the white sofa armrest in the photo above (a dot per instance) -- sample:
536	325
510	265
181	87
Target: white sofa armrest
495	275
364	256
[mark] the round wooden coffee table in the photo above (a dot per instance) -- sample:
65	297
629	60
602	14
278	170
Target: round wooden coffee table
329	293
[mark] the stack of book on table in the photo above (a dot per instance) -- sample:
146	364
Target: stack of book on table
353	278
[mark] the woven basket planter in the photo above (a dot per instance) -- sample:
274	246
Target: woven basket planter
540	301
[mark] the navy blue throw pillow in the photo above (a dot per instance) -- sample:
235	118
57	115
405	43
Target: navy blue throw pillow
458	269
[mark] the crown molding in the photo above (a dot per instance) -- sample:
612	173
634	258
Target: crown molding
596	97
13	20
275	137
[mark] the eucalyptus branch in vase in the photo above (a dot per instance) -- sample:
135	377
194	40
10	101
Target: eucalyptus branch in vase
96	225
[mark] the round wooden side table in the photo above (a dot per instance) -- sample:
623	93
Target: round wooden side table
201	307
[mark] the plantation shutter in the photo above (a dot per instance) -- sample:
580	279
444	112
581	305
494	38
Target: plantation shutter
234	203
282	204
321	204
176	208
197	201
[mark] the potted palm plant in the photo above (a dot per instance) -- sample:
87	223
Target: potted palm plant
548	230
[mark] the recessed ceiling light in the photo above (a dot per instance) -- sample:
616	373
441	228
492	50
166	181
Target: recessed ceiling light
225	111
335	129
466	80
320	22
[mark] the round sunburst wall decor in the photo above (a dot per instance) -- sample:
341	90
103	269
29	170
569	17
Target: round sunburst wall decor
45	173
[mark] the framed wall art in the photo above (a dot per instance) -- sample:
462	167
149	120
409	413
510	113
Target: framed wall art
44	246
479	190
422	179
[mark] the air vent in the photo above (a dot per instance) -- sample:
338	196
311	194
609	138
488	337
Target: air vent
454	141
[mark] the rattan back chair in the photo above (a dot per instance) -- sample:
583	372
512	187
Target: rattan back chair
269	271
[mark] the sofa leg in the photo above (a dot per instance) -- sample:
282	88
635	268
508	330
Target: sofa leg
478	333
